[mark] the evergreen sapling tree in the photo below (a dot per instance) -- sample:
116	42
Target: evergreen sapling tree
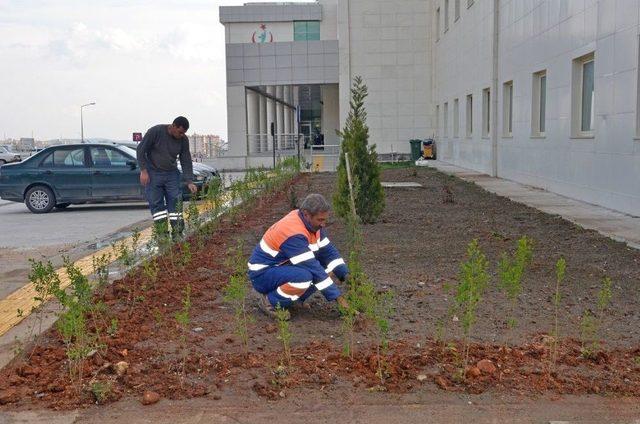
365	171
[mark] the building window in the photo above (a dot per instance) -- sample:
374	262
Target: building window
587	97
539	104
507	109
306	30
456	118
456	7
446	15
486	112
437	24
469	116
445	123
583	96
437	120
469	3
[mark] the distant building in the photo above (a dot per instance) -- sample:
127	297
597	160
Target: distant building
205	146
27	143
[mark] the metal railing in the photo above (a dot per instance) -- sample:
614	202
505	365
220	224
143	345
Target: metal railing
263	143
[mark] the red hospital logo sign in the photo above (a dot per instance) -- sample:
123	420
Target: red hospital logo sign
262	35
137	136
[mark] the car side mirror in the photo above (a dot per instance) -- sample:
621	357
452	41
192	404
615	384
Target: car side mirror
132	163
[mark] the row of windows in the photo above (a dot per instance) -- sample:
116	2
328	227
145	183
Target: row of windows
582	105
456	11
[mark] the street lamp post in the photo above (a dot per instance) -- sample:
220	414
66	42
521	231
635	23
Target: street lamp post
82	121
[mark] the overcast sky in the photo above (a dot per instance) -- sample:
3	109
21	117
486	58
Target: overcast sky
142	61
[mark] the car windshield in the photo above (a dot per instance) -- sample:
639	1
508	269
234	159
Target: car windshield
3	149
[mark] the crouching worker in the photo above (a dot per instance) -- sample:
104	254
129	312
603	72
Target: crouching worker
295	257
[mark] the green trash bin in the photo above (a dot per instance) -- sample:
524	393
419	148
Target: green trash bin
416	149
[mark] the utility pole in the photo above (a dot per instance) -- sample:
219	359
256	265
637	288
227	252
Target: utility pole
82	120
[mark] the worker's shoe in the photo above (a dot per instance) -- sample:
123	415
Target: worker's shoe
268	309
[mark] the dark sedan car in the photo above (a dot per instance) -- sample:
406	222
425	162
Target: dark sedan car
63	175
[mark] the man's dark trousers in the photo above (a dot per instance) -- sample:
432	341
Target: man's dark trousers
164	193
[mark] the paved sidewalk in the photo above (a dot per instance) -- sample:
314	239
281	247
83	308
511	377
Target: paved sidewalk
616	225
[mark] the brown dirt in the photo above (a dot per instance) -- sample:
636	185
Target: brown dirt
419	239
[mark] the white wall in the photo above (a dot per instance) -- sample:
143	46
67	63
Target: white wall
539	35
329	23
236	121
243	32
330	115
462	67
387	42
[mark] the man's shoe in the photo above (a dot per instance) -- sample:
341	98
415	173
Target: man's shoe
267	308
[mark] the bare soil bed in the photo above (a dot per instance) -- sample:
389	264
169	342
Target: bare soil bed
414	250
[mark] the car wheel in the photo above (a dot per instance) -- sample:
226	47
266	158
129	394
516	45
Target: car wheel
2	162
62	205
40	199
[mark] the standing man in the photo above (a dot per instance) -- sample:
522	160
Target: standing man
295	258
157	153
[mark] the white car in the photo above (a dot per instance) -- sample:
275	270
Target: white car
7	157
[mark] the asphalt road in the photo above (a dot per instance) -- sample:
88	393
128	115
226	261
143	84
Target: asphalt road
19	228
72	232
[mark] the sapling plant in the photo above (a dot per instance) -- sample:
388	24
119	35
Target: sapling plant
561	268
183	319
293	199
101	269
236	293
284	332
511	269
473	280
46	284
150	269
355	304
112	330
591	324
185	254
101	391
382	311
72	325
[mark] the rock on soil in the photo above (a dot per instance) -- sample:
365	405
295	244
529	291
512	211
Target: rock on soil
486	366
9	395
149	398
121	368
473	372
442	383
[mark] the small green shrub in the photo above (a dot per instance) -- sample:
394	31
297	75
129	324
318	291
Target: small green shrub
591	330
473	280
561	267
510	272
101	391
284	332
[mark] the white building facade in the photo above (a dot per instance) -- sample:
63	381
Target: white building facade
542	92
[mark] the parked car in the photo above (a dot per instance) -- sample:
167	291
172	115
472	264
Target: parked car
63	175
7	156
197	166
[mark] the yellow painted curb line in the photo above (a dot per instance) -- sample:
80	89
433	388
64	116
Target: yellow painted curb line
23	298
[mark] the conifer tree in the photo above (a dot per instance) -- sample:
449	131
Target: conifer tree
365	170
